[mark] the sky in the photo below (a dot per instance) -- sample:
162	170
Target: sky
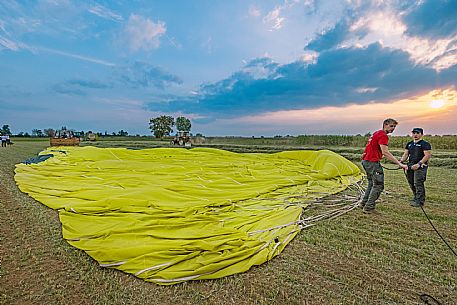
234	68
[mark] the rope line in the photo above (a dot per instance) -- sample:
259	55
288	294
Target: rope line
438	232
390	169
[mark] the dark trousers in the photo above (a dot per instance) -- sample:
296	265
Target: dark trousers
3	143
375	176
416	181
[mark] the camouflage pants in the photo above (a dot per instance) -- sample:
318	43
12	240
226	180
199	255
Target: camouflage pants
375	176
416	181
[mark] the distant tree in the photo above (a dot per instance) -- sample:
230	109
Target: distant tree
183	124
49	132
6	130
122	133
161	126
199	135
21	134
27	135
37	133
368	134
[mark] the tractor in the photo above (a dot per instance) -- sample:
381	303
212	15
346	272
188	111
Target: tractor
64	137
182	138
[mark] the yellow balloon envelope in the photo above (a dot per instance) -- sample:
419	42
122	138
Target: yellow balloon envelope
169	215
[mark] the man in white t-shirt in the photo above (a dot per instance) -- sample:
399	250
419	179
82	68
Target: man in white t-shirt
4	140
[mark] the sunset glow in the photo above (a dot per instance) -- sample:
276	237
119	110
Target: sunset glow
344	120
437	103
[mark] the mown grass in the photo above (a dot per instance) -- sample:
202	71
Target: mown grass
389	258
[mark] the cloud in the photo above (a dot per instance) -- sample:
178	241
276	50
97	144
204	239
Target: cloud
432	19
382	23
141	74
68	89
208	45
105	13
16	90
142	33
339	76
273	19
254	11
76	56
331	38
135	75
7	44
89	84
349	119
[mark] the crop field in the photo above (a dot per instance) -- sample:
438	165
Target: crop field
388	258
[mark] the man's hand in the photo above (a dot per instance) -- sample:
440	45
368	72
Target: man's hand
415	167
404	166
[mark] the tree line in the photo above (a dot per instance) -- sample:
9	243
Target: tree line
160	127
438	142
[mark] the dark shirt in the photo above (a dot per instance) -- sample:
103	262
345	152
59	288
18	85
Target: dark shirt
416	151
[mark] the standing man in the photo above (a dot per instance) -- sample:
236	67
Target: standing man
3	138
417	152
376	148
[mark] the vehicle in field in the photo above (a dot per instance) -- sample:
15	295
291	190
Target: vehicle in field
64	137
90	136
182	138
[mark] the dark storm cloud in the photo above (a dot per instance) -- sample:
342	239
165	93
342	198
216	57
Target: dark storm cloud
433	19
340	76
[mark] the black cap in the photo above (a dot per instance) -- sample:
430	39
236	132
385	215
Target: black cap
418	130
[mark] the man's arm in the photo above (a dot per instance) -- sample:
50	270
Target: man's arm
405	155
427	156
386	153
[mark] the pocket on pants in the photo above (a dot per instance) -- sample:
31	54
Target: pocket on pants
378	177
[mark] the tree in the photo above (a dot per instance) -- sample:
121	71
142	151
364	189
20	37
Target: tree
122	133
161	126
49	132
183	124
6	130
37	133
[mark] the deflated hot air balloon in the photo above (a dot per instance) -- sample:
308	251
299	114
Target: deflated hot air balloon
169	215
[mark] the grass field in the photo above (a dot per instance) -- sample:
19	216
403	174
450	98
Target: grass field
389	258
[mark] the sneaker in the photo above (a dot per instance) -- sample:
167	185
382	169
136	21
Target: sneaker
361	204
370	211
415	204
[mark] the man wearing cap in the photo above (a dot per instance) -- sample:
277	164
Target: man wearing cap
417	152
376	148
